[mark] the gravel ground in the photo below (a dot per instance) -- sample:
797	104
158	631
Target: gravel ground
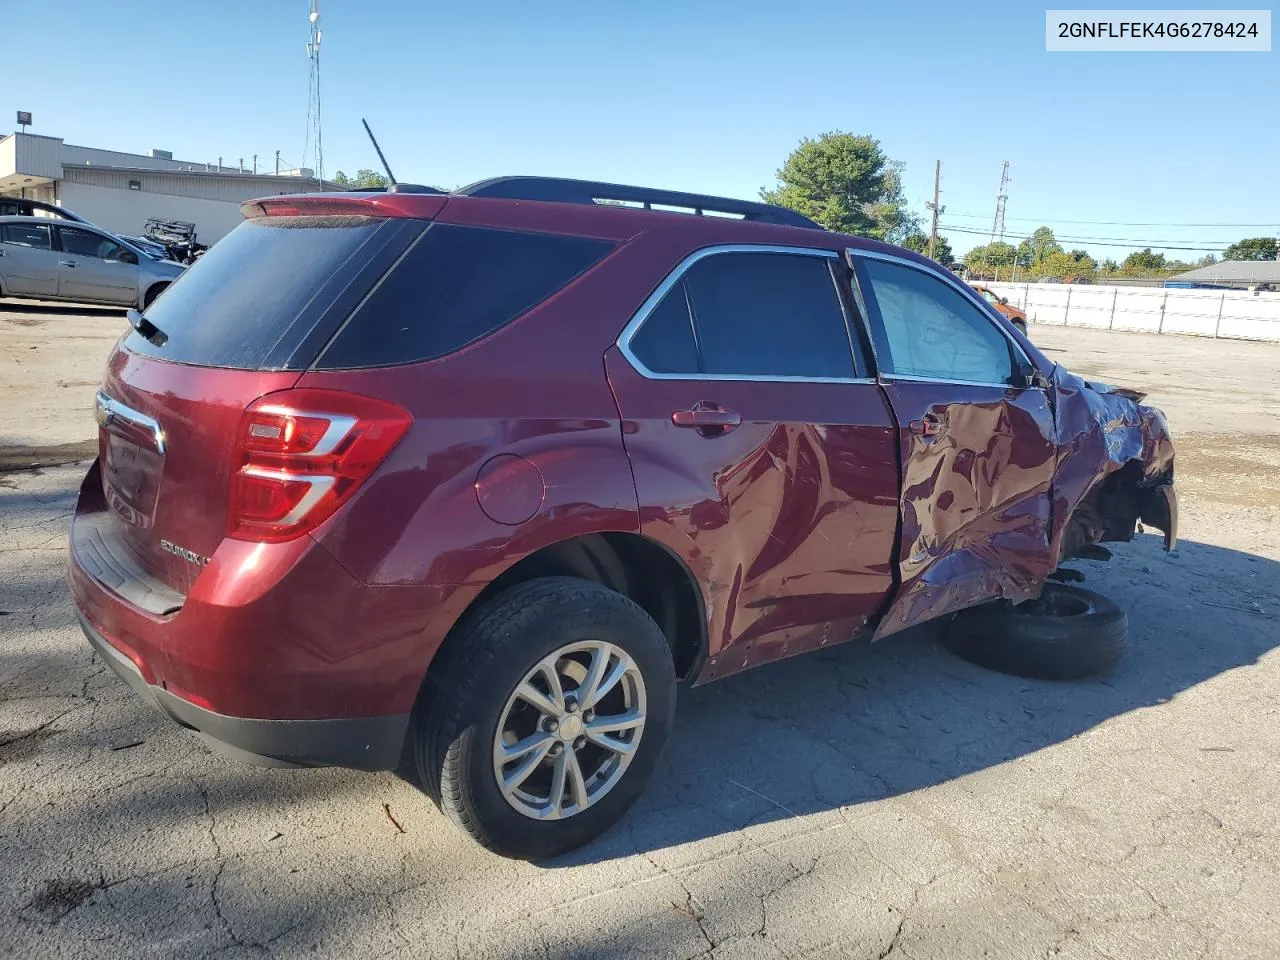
865	802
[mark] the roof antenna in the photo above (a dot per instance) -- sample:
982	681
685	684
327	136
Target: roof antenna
385	166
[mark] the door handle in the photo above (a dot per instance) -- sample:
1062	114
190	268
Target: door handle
708	419
927	426
67	263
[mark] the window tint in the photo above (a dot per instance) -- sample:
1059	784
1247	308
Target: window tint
456	285
26	235
664	343
86	244
932	330
233	304
768	314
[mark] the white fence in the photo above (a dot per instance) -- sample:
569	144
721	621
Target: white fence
1233	314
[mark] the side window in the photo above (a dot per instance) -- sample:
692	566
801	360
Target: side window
454	286
770	315
85	244
26	235
664	343
931	330
110	250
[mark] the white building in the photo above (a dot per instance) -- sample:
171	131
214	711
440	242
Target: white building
121	191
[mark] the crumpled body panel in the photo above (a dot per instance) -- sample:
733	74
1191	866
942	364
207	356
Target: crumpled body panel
976	505
987	500
1100	430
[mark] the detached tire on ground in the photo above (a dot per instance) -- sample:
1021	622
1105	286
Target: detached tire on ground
545	717
1066	634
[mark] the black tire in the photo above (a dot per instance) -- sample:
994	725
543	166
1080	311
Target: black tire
1067	634
483	660
152	292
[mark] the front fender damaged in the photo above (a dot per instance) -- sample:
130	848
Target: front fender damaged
992	520
1115	466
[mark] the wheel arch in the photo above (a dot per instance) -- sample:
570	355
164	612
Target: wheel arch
636	566
1111	508
153	290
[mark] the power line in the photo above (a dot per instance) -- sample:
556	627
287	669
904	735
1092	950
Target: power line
1095	241
1115	223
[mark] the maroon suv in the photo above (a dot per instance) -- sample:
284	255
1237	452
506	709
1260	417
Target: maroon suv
472	480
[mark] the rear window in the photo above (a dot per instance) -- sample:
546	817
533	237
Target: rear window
26	235
232	306
454	286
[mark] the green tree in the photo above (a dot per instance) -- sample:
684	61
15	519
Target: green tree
1208	260
847	184
1143	263
1065	265
363	178
1109	266
918	241
991	258
1035	248
1254	248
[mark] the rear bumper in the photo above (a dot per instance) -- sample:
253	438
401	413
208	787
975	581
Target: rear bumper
362	743
275	652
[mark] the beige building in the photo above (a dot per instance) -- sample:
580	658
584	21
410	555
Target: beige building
121	191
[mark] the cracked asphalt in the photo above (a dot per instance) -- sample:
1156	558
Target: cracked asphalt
873	801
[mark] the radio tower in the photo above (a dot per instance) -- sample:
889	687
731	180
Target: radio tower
997	226
314	139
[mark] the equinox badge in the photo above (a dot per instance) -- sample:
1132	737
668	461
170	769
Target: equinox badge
188	555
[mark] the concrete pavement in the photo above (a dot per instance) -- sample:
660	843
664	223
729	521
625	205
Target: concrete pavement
871	802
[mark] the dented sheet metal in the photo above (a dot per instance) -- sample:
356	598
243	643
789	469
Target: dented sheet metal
1101	429
988	494
976	505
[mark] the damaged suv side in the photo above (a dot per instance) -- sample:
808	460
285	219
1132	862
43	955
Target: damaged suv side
470	481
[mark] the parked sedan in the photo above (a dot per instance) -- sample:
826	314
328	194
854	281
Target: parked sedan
1001	304
44	259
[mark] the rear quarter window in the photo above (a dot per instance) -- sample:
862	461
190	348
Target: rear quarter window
454	286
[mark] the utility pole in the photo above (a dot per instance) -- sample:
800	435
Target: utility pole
277	163
255	163
933	230
997	226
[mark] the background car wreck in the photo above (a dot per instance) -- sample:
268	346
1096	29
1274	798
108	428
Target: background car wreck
1000	519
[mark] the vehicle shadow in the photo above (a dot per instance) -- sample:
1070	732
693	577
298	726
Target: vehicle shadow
26	311
860	723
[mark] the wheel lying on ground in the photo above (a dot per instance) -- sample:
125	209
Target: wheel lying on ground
545	718
1067	633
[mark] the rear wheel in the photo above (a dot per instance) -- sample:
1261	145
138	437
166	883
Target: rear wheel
546	717
1065	634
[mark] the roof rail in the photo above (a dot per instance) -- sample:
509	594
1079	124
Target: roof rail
589	192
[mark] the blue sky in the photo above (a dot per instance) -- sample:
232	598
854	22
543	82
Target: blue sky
706	96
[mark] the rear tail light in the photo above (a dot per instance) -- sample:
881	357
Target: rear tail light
301	454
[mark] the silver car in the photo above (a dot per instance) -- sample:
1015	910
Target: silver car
46	259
